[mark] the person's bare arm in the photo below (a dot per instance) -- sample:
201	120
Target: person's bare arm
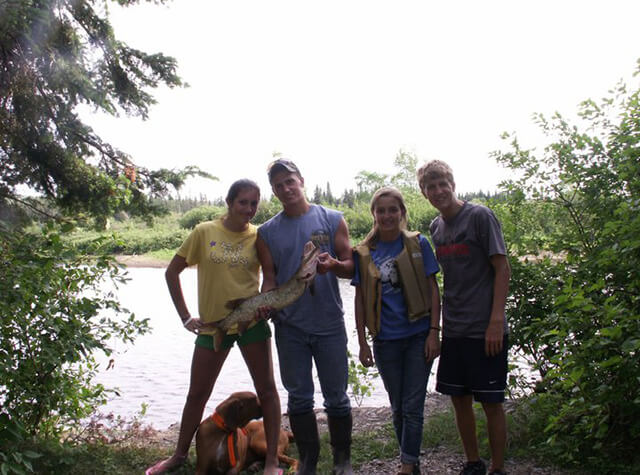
365	355
495	330
172	276
266	262
342	264
432	344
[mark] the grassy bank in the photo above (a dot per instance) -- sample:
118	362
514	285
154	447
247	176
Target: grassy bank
374	450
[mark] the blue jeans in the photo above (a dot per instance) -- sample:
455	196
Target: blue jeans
405	372
296	350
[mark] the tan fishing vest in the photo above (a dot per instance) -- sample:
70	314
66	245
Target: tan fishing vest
415	286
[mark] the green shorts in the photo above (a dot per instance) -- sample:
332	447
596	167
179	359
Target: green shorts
259	332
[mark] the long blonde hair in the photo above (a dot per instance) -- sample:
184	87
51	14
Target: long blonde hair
372	237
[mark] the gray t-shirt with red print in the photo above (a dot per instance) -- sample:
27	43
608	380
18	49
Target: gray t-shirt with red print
464	245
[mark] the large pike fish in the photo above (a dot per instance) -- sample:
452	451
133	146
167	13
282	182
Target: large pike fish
280	297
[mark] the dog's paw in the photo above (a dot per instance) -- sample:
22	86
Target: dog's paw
255	467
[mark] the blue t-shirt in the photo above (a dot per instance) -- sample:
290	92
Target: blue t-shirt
320	313
394	321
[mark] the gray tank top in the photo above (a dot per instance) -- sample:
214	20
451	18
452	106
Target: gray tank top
321	313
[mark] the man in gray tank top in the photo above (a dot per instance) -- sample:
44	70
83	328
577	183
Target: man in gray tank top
473	359
312	328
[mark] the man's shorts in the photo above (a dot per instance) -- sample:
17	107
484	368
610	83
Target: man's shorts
259	332
464	368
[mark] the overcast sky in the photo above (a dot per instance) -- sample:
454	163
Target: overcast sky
342	86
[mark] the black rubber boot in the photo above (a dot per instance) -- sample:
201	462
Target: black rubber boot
305	433
340	432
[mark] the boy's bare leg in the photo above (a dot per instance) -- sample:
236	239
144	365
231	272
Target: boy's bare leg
497	428
466	422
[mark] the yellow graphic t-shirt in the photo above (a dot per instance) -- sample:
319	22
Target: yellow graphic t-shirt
228	266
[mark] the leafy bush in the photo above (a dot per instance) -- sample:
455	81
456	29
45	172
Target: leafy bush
359	220
195	216
55	317
421	213
267	210
360	379
576	312
131	237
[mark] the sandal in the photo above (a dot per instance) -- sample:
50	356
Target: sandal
165	465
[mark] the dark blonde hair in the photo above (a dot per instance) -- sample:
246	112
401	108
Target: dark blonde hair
238	186
372	237
434	169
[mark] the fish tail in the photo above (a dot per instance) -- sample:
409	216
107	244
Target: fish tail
217	339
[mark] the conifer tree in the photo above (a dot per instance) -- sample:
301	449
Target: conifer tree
56	55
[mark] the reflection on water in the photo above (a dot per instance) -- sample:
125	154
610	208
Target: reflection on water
155	369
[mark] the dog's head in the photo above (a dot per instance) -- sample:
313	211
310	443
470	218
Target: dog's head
239	408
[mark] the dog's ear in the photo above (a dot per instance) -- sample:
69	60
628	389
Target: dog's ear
232	418
239	408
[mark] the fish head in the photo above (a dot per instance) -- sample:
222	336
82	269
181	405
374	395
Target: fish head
308	268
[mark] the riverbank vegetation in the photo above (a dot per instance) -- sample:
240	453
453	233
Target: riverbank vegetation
130	449
571	218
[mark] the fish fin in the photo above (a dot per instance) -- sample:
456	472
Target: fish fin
217	339
242	327
233	304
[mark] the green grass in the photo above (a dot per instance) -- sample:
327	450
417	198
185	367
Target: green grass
367	446
380	444
99	458
134	236
161	254
103	458
440	430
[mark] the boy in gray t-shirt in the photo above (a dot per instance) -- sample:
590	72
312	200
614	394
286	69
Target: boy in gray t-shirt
473	361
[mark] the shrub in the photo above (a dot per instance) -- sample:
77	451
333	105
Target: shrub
195	216
359	220
54	318
267	210
578	312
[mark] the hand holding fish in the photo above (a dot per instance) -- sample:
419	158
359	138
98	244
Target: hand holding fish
193	324
326	263
265	312
264	304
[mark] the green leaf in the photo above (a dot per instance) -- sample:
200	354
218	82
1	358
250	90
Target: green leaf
615	360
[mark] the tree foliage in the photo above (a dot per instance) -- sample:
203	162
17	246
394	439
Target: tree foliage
575	311
369	182
405	179
55	317
56	55
56	58
195	216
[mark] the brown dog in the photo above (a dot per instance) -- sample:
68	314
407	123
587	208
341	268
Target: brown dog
225	446
258	444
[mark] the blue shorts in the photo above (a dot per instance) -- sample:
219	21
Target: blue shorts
465	368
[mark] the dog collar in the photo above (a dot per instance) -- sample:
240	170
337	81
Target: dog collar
219	420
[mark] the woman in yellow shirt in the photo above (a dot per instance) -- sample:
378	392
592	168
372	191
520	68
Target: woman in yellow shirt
228	269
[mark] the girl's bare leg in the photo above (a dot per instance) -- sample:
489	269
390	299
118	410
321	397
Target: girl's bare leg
205	368
260	363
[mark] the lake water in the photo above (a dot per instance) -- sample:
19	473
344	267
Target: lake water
155	369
